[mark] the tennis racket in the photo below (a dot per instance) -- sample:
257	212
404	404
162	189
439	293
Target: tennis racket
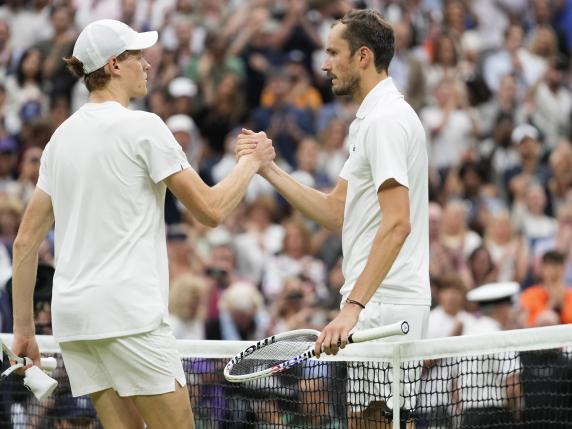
35	379
266	357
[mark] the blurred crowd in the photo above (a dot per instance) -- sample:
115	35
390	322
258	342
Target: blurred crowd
490	80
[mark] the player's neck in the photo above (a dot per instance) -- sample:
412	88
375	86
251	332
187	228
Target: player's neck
109	93
368	81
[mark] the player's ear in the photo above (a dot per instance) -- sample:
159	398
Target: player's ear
113	65
365	56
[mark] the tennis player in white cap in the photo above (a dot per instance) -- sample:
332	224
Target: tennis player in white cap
102	181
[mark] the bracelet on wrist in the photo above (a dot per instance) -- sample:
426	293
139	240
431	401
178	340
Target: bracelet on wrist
353	301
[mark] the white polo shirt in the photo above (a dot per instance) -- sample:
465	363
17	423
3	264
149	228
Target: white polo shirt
387	141
103	169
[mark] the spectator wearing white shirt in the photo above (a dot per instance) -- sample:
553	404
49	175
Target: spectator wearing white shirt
88	11
508	250
27	26
552	101
261	239
513	58
492	19
488	395
294	260
455	234
529	218
444	63
449	318
451	126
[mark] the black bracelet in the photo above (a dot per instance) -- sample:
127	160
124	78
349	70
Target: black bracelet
352	301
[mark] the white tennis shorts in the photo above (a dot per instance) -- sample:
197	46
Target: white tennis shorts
141	364
371	381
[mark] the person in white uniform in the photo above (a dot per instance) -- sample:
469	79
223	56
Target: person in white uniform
381	198
102	181
489	385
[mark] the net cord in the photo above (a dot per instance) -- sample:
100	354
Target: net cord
395	353
463	346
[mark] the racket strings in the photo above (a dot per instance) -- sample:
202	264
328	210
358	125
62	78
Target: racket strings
274	354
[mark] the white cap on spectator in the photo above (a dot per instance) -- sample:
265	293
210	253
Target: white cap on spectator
493	293
523	131
181	123
182	87
106	38
219	237
241	296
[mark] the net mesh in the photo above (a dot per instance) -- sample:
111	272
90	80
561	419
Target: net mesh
260	359
514	388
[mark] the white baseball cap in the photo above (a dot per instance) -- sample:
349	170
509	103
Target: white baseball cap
524	131
182	87
106	38
494	293
180	122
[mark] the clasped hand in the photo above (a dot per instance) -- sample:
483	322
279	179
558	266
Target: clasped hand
256	144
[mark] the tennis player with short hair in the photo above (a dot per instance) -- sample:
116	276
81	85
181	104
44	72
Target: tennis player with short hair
102	181
381	198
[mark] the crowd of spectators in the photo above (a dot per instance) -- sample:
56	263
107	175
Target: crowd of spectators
490	80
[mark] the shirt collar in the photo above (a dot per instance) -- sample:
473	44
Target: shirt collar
386	86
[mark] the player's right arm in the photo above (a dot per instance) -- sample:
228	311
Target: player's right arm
326	209
211	205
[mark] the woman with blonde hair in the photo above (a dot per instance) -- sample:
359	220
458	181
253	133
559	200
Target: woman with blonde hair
508	250
188	307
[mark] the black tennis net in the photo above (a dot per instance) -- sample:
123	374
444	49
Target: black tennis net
504	380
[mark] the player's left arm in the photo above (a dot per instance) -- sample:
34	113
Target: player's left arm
393	230
37	221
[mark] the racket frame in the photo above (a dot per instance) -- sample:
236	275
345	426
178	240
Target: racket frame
275	369
398	328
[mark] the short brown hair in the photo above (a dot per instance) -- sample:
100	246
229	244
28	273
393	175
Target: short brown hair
553	257
97	79
452	281
368	28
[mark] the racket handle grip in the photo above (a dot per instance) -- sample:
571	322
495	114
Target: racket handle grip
49	363
399	328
